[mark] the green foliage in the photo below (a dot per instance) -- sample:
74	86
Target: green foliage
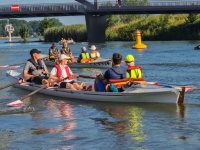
112	20
159	27
24	33
77	32
48	23
129	18
191	18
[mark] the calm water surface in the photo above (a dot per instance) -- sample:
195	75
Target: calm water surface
65	124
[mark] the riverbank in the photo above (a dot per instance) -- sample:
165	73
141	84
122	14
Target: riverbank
153	28
25	42
13	37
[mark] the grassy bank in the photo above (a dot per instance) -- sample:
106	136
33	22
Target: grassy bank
161	27
155	27
77	32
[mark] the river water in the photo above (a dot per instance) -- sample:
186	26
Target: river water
65	124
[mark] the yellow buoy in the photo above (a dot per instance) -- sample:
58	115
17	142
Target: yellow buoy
139	44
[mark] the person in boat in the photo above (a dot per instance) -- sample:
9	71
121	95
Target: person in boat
94	54
132	71
83	55
36	66
116	72
67	51
54	53
62	70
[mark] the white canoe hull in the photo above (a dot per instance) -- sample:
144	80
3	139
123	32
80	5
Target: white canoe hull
157	95
100	64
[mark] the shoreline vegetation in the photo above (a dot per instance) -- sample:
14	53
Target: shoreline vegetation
153	28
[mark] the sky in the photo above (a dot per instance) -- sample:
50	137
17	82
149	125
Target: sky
68	20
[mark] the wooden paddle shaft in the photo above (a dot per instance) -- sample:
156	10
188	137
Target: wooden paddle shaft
16	64
43	87
15	83
9	85
33	92
84	76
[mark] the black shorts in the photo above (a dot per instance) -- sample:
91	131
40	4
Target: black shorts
38	80
63	84
52	59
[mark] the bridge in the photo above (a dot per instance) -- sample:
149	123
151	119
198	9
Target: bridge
96	13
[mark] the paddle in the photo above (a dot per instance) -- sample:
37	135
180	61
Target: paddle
84	76
19	102
100	83
15	83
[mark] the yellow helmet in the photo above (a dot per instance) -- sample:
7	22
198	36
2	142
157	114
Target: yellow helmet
129	58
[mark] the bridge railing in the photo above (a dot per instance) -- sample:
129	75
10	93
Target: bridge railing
114	4
45	7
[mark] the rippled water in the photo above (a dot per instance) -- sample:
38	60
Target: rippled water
64	124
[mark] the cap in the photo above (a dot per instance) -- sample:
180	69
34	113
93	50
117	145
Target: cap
93	47
63	56
34	51
54	44
83	49
129	58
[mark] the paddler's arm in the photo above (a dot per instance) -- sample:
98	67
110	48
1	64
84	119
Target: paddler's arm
53	77
26	69
26	75
59	53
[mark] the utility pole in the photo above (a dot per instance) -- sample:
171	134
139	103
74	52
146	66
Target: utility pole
9	28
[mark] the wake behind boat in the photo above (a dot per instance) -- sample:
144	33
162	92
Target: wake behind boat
138	93
98	63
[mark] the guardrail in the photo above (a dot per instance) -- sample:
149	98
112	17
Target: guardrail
112	4
45	7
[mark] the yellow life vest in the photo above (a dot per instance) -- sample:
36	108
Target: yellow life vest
55	51
134	72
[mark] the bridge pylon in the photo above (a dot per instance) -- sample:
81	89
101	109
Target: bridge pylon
96	27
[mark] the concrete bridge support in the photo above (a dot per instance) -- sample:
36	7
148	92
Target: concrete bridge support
96	27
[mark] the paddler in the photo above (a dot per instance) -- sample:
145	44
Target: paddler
94	54
116	72
62	70
132	71
54	53
36	66
67	51
83	55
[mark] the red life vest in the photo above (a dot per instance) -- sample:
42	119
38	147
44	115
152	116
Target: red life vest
133	67
59	72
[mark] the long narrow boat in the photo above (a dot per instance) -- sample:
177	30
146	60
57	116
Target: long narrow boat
139	93
99	63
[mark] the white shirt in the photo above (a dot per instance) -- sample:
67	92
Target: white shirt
64	73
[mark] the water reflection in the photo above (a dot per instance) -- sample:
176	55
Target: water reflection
133	119
58	111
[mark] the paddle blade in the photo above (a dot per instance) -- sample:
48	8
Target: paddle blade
3	66
13	67
15	103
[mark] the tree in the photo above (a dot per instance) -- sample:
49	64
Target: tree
129	18
48	23
112	20
191	18
24	33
